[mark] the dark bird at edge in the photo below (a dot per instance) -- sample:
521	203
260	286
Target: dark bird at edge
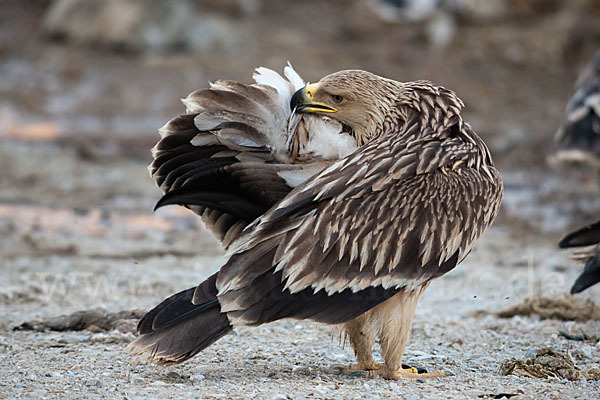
586	241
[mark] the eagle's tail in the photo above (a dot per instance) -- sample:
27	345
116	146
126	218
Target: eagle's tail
178	329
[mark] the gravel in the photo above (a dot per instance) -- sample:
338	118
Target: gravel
115	262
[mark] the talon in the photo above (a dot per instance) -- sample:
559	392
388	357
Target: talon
365	365
416	370
408	373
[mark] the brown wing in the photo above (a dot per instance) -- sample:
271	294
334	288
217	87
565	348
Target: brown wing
219	159
390	216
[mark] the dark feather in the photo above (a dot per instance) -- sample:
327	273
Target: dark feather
177	328
587	236
266	299
219	157
578	138
590	276
234	205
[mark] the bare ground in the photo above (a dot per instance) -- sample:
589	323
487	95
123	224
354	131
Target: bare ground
78	233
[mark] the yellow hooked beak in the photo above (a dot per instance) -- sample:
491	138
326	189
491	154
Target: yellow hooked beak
303	101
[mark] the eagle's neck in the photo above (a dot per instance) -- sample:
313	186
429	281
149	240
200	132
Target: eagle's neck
425	112
434	109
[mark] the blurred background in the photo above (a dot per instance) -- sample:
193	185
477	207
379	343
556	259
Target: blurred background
84	86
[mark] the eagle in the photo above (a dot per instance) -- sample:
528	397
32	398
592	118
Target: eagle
586	241
337	202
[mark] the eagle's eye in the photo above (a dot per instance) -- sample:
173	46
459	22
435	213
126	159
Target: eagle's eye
337	98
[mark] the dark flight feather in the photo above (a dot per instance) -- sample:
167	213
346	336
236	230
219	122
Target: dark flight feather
190	168
178	329
587	238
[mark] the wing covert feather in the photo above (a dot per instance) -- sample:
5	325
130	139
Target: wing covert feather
393	216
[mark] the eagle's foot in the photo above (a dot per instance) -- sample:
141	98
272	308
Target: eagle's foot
365	365
410	373
416	370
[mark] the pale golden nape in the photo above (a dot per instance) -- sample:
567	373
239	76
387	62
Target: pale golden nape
338	202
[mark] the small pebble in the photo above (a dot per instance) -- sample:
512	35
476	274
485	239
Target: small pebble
302	370
173	375
530	353
587	351
337	369
93	383
320	389
197	378
138	380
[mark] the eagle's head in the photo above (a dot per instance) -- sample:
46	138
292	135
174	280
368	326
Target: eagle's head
359	100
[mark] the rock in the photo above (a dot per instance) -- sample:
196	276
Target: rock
530	353
96	320
302	370
93	383
320	389
197	378
148	25
588	351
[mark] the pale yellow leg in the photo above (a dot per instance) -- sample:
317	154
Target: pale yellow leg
362	334
397	315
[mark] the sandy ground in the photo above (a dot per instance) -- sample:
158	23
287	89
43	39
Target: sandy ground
77	230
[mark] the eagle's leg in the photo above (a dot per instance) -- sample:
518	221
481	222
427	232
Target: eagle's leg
362	338
396	316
